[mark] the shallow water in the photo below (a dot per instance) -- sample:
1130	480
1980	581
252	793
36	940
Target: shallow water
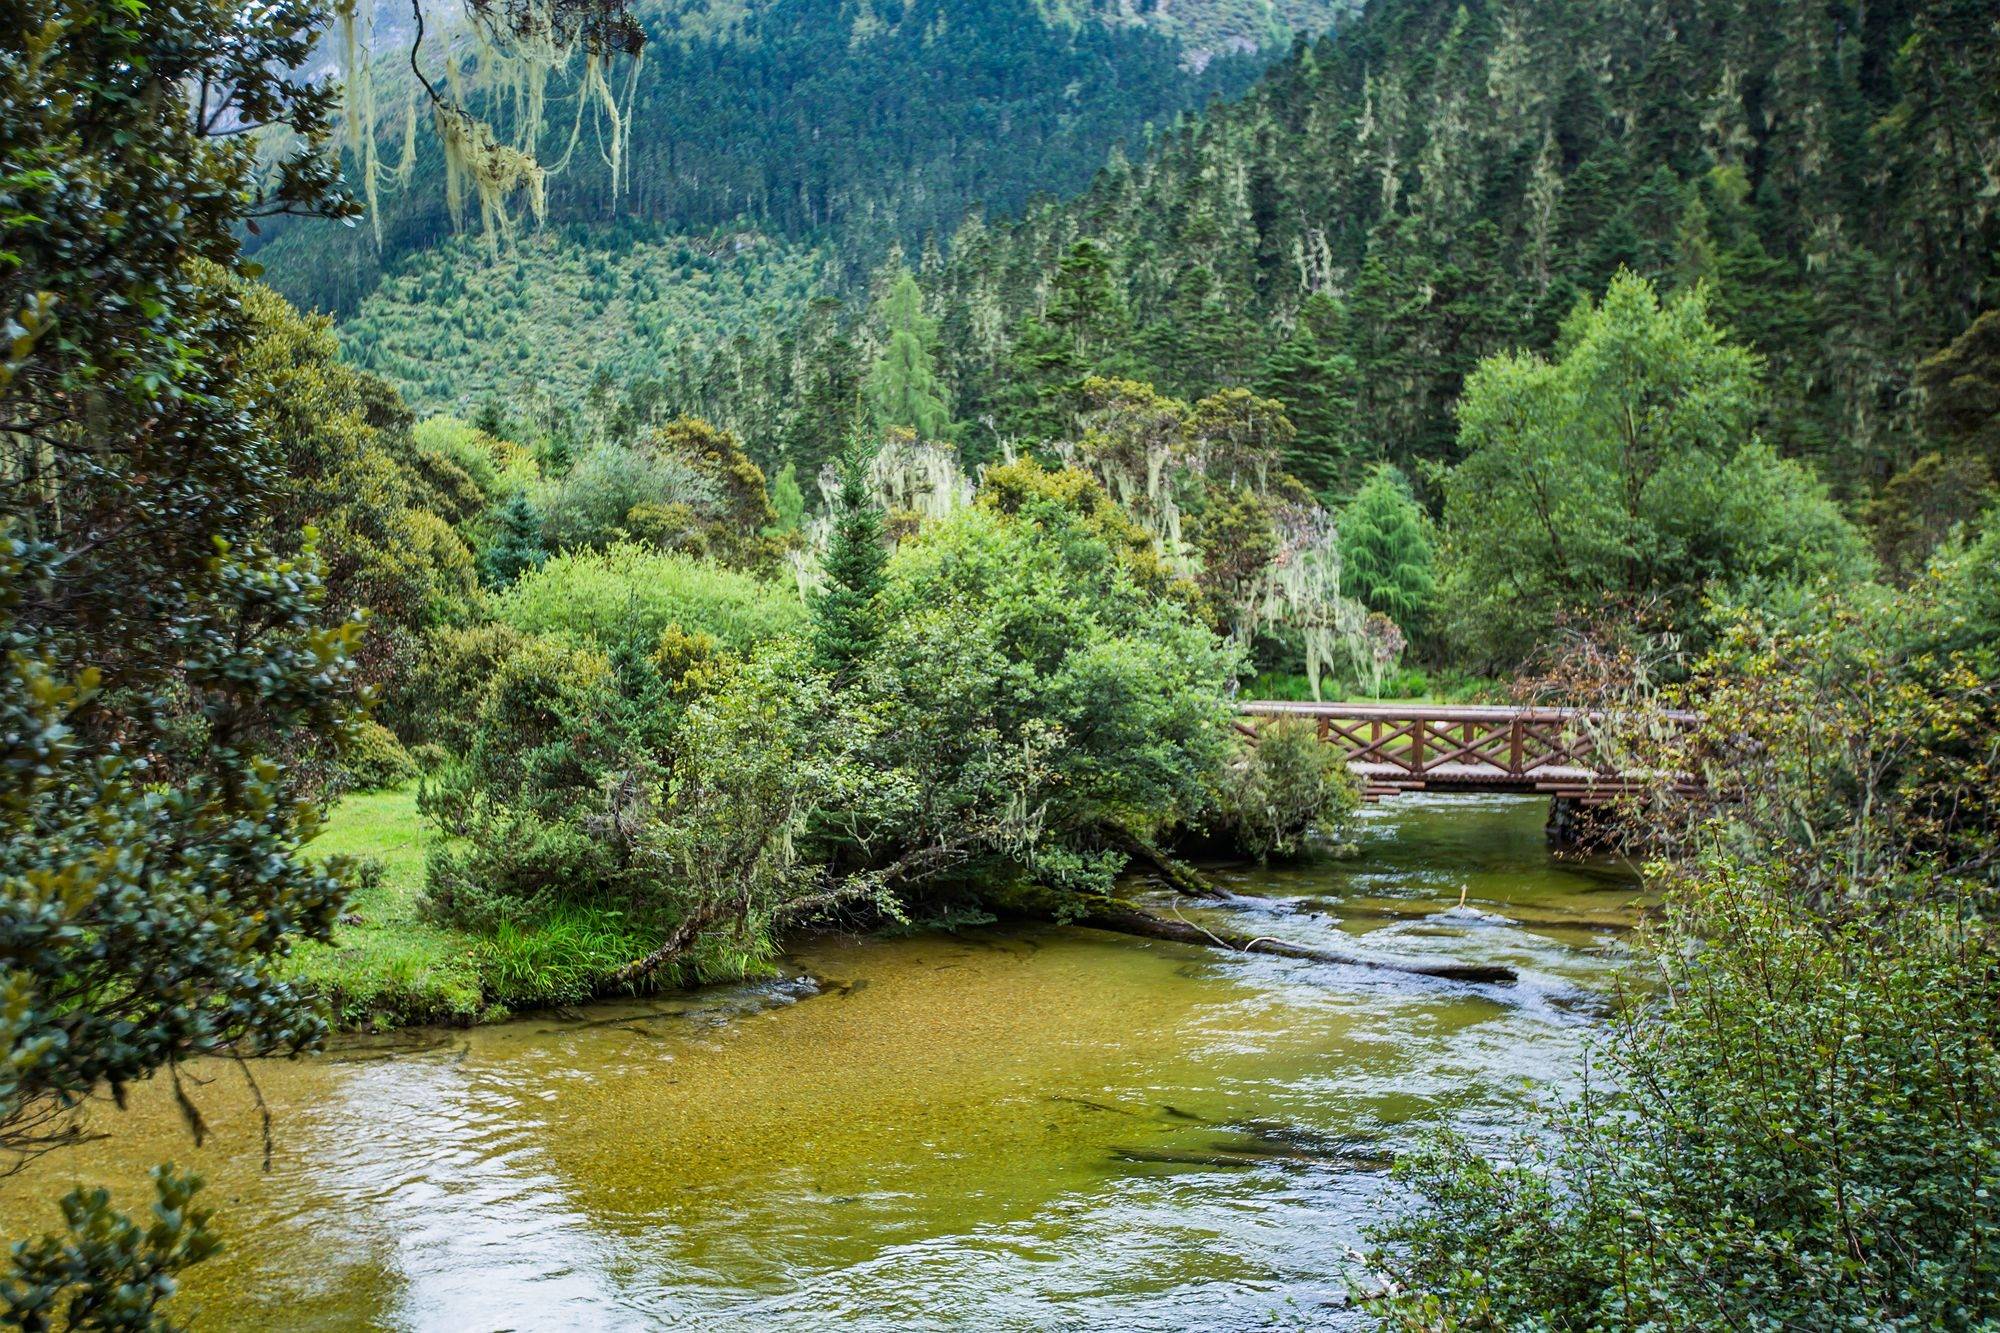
1009	1128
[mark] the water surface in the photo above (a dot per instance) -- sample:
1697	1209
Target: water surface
1021	1127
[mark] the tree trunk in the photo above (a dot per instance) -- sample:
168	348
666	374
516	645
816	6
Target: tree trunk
1178	874
1129	920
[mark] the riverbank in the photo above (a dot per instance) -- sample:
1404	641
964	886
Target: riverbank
1020	1125
388	966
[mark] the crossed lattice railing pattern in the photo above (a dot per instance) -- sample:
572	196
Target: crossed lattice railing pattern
1406	745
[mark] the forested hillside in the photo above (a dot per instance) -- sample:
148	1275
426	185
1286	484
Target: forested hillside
844	120
1445	179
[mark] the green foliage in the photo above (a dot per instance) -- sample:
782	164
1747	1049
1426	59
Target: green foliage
108	1272
372	758
114	965
1803	1137
845	617
597	502
632	593
902	387
1025	696
560	958
1386	561
394	516
1623	472
1279	797
440	697
1314	378
516	547
787	500
1798	1125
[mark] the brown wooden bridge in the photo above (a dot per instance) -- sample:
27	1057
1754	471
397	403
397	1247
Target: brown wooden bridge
1399	747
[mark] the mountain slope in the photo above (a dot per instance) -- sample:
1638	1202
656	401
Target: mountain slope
855	123
1448	178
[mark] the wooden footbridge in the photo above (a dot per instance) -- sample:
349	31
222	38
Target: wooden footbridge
1394	748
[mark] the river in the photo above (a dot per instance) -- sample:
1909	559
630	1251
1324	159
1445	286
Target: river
1014	1127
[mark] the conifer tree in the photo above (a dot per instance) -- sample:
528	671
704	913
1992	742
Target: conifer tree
844	610
1313	376
517	547
903	388
1385	549
1082	334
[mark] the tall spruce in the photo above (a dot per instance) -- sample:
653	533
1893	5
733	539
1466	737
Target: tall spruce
846	623
902	388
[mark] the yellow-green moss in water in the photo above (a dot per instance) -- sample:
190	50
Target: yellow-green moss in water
1020	1127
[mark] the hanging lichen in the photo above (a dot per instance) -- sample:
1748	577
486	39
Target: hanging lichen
498	57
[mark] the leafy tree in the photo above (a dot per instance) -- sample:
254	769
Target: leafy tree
1025	708
1624	470
1386	560
846	618
902	388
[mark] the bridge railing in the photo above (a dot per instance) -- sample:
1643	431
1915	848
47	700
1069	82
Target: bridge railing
1397	747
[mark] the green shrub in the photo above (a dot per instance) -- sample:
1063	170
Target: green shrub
372	758
439	697
631	593
532	739
1805	1134
1276	797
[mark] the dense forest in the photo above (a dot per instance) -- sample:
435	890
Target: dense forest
1446	180
823	120
803	525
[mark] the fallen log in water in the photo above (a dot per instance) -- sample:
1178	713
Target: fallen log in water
1176	874
1129	920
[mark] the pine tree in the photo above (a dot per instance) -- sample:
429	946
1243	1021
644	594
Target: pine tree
845	622
787	499
1385	549
903	388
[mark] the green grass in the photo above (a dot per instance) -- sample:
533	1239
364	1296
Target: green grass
387	966
390	967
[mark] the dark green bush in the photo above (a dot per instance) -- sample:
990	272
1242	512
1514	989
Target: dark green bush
1804	1132
1281	795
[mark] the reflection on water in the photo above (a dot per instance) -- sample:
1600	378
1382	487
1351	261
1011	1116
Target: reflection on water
1013	1128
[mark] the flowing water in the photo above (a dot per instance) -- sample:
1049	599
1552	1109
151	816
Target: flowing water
1029	1127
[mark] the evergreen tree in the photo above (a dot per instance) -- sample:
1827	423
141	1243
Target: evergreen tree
902	388
1083	333
1385	549
1314	378
517	546
845	624
787	500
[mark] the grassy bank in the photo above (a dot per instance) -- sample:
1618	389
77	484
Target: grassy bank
387	966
